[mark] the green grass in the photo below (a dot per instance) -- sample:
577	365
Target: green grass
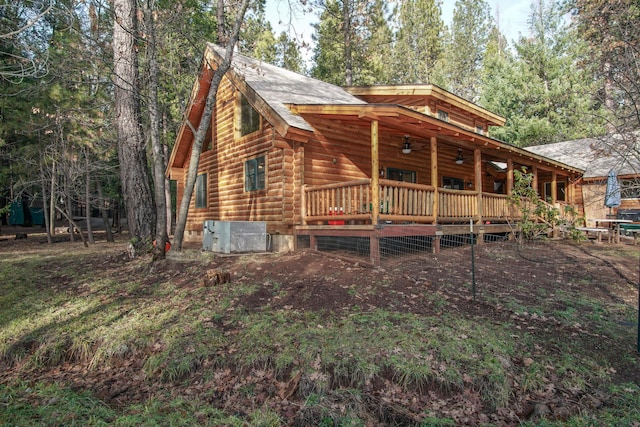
187	334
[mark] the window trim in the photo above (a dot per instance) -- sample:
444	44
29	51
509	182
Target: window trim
453	181
243	102
201	191
412	174
255	181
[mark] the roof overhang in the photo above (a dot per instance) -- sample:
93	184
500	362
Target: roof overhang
399	121
408	94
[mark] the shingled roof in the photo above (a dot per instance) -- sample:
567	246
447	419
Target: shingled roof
279	87
597	156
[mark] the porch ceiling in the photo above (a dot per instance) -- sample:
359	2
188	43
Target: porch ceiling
394	122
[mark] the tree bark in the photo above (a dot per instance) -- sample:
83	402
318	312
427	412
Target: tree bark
346	31
200	134
132	154
103	213
87	195
159	163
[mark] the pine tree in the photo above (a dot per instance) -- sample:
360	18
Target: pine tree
543	94
419	42
352	43
465	49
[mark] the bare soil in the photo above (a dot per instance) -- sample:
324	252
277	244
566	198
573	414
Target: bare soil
331	283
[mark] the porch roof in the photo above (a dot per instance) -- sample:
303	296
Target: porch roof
597	156
420	94
398	121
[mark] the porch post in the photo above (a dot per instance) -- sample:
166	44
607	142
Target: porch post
477	165
375	180
303	205
554	197
509	176
374	239
534	181
434	177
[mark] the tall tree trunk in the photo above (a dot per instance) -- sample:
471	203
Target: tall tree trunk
52	202
167	194
132	153
200	134
220	21
154	132
47	222
103	213
87	196
348	52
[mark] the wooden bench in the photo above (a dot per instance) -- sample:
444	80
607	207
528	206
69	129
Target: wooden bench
597	230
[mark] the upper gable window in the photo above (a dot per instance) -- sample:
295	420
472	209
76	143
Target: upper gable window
249	117
443	115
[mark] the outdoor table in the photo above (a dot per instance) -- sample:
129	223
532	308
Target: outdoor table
614	225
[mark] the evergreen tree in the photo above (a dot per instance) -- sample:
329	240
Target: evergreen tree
543	95
288	54
352	43
419	42
610	29
465	49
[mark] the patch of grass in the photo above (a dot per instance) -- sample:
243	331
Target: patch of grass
48	404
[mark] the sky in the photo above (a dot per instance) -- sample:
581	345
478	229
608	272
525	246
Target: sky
512	17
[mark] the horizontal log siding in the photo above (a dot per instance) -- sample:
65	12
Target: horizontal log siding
224	164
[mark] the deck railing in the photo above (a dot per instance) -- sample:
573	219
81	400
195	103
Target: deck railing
456	205
403	201
338	203
497	207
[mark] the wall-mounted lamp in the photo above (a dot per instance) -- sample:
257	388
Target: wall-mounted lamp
459	158
381	173
406	148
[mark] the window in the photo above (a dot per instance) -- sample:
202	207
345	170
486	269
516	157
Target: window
249	118
452	183
201	191
630	189
401	175
561	191
480	130
443	115
254	174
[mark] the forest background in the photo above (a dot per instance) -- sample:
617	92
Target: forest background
92	92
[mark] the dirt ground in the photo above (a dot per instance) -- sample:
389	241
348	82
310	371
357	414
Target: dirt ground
332	283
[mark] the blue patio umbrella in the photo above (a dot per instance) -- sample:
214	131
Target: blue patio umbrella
612	197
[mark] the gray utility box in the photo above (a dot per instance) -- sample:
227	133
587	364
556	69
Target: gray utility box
234	236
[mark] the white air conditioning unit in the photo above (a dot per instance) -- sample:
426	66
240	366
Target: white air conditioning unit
235	236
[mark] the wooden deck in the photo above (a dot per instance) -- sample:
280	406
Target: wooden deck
346	210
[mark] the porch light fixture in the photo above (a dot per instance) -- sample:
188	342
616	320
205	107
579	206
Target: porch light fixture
406	148
459	158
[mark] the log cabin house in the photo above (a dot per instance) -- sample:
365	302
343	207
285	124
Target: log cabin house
317	161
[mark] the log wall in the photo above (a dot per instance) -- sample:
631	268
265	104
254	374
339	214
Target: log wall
224	164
